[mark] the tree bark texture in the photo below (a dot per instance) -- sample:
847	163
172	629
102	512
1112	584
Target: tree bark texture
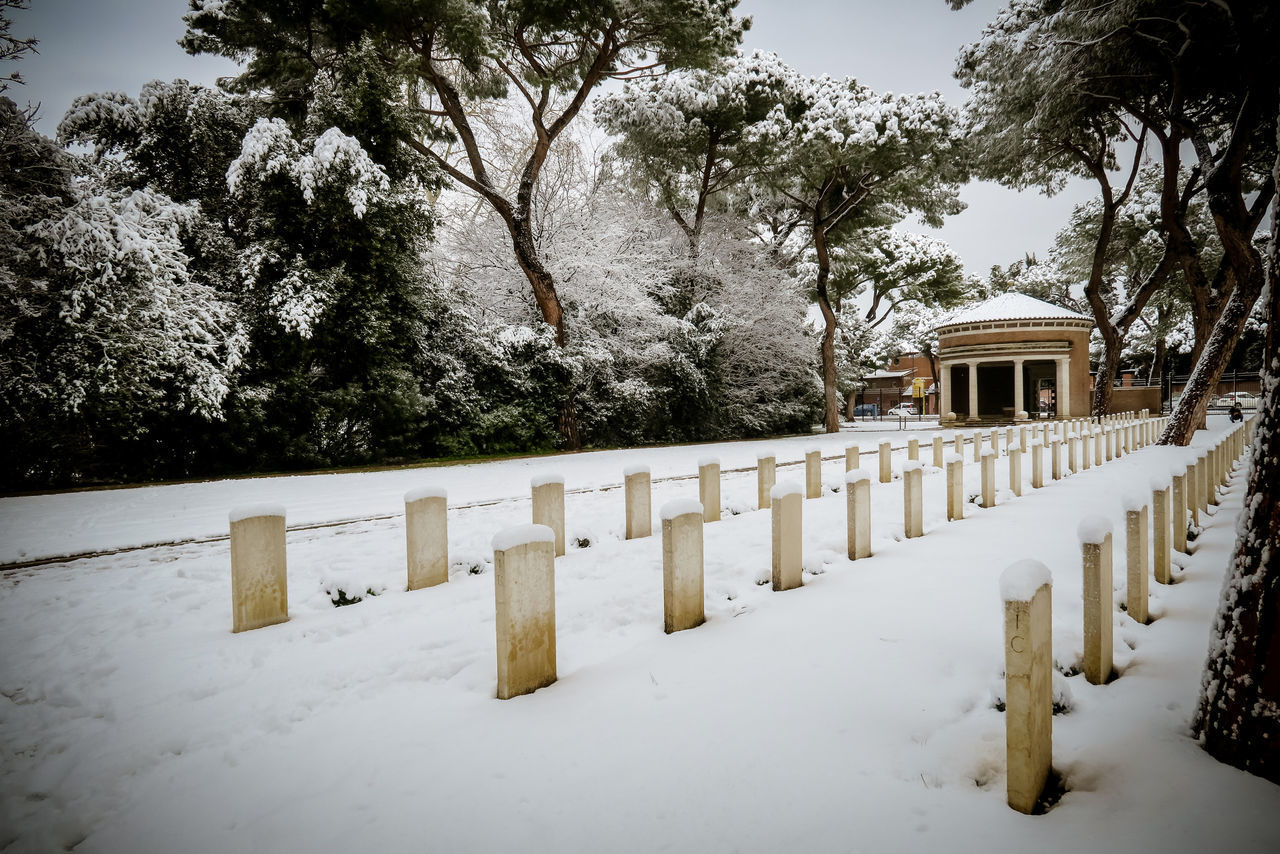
831	406
1239	711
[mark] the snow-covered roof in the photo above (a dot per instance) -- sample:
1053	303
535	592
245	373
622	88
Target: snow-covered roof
1010	306
885	375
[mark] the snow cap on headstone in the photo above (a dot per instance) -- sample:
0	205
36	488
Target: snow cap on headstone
1020	581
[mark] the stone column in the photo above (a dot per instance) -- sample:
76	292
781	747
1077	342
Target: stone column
944	392
988	478
682	584
1055	451
709	488
639	511
525	597
1037	464
1178	512
786	500
886	463
852	458
1028	678
1160	530
973	391
955	487
766	476
259	582
1015	470
937	451
1019	390
1062	386
857	487
1095	542
1135	538
426	535
548	506
912	499
813	473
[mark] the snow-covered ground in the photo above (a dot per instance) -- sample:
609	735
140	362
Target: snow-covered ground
854	714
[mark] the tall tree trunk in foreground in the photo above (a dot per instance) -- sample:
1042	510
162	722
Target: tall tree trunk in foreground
1239	712
831	408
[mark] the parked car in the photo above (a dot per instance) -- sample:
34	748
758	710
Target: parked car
1243	398
903	409
866	410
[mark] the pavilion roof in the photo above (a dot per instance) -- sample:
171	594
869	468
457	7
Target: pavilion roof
1010	306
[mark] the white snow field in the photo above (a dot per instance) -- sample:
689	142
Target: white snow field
855	714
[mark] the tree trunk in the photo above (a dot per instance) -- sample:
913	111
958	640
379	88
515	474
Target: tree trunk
831	418
1155	375
1104	381
1239	711
548	301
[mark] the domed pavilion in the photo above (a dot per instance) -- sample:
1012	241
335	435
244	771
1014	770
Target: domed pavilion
1014	357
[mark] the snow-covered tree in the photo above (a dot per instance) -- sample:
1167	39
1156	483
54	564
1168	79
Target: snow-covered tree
452	57
12	47
662	346
688	138
853	158
1059	85
1239	710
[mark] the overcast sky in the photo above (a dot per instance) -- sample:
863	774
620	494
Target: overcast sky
895	45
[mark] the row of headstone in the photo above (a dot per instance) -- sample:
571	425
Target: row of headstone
1026	590
259	588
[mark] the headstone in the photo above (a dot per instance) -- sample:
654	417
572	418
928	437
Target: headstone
857	485
1178	511
1028	678
1037	464
1015	470
886	463
988	478
639	509
852	458
682	576
259	582
766	476
912	499
938	451
1095	545
955	487
787	501
1135	539
548	506
1160	530
525	599
426	533
709	488
813	473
